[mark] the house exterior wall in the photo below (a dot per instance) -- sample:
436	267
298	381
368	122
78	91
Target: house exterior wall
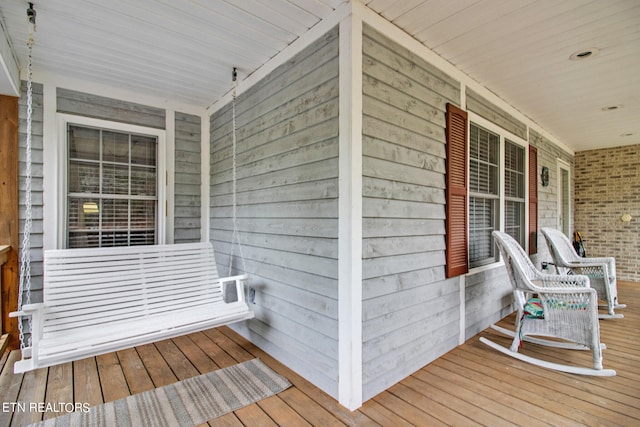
410	312
287	208
187	153
188	168
100	107
548	155
187	160
484	108
607	185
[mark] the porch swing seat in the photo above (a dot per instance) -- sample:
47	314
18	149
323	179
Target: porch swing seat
558	306
101	300
601	271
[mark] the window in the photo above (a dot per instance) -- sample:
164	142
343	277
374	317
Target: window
112	186
484	194
514	201
488	171
486	168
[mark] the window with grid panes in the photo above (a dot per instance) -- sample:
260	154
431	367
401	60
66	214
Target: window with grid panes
485	191
484	194
112	187
514	194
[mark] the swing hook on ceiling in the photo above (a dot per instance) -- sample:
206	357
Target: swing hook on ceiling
31	14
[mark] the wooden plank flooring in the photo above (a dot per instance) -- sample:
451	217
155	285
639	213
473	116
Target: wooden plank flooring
471	385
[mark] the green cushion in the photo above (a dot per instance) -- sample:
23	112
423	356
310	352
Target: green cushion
533	309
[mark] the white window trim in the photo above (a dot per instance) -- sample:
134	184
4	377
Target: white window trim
60	173
503	134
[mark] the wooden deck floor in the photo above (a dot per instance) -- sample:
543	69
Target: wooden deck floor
471	385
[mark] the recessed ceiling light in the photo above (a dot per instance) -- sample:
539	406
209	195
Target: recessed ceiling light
584	54
611	107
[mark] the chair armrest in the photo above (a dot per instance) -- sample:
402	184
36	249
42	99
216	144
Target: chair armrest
610	262
600	260
559	281
567	291
586	263
595	268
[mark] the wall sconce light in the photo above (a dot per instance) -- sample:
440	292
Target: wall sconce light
90	207
626	218
544	176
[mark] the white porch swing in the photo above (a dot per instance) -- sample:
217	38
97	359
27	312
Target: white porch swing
100	300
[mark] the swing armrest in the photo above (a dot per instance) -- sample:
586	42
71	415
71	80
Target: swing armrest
239	280
28	310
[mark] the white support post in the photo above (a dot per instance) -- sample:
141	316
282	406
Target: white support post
463	309
54	181
205	169
169	179
350	215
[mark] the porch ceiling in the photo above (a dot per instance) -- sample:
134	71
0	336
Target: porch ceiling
184	50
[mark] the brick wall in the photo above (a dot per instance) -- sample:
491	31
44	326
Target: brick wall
607	185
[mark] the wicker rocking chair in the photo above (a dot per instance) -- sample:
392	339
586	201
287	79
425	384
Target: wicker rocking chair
548	305
601	271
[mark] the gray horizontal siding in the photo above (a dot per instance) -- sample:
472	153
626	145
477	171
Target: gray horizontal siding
287	208
486	109
410	312
548	155
488	298
36	183
115	110
89	105
187	199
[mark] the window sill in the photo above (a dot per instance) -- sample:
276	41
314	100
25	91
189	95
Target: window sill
486	267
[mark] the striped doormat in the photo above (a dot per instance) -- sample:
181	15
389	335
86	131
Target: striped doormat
186	403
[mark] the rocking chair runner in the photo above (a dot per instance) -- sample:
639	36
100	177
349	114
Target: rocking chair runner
569	311
601	271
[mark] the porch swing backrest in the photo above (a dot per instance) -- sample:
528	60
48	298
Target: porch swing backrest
105	299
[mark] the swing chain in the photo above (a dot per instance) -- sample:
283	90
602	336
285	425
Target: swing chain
236	235
24	289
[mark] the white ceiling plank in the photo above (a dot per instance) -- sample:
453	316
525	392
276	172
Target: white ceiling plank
392	9
465	21
429	13
279	13
319	8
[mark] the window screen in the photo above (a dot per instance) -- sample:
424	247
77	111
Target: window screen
112	182
514	182
483	194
